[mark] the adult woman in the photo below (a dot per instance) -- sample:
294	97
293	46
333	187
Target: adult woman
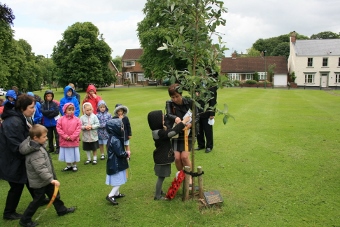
13	131
176	110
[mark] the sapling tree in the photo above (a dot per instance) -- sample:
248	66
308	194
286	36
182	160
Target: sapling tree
196	23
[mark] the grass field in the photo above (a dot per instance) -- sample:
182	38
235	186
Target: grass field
276	164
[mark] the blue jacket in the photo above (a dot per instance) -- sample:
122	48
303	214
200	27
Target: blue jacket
116	155
71	99
49	110
37	113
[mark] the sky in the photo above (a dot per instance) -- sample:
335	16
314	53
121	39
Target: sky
42	22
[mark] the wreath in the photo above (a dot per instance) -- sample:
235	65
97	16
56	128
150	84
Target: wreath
175	185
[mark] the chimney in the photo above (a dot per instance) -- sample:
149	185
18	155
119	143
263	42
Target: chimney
233	55
293	37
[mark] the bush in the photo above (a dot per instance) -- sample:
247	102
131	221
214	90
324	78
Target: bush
251	81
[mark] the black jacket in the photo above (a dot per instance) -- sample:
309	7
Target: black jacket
13	131
212	102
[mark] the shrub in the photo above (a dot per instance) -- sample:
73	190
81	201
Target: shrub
251	81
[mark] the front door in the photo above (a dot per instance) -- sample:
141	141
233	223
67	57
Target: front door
324	80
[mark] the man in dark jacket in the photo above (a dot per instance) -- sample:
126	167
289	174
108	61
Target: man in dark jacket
205	137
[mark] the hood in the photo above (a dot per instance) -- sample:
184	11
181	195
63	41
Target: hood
11	93
120	106
155	119
30	93
91	87
101	102
86	103
67	105
115	127
66	89
28	146
48	92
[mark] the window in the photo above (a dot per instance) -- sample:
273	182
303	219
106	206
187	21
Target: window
339	62
310	62
234	76
249	76
129	63
309	78
262	76
337	78
324	61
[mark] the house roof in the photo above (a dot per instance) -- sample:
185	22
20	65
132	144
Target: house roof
132	54
317	47
253	64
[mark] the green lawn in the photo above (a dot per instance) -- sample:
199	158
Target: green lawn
276	164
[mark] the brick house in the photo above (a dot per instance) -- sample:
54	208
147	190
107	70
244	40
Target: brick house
131	69
243	68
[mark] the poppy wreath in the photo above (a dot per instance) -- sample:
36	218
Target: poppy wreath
175	185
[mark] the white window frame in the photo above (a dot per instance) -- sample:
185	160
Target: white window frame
309	78
262	76
234	76
129	63
249	76
337	78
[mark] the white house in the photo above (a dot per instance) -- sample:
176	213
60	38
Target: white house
315	62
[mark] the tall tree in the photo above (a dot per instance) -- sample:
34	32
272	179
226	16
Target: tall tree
151	32
6	14
276	46
82	56
326	35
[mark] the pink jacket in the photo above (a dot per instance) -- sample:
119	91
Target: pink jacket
68	126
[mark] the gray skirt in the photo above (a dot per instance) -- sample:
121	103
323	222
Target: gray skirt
162	170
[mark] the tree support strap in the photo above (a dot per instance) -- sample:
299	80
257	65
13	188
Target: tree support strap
193	174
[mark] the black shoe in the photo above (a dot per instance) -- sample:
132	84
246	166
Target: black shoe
29	224
119	196
67	211
111	200
45	202
12	216
208	150
199	148
67	168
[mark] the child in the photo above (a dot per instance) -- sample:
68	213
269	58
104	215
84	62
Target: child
103	116
92	97
90	124
11	97
75	94
121	112
50	112
163	155
117	163
69	128
41	175
68	97
37	112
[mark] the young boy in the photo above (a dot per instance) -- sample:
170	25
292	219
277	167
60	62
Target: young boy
41	175
163	155
90	125
50	112
68	97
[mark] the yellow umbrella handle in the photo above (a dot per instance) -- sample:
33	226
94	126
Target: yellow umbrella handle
186	139
56	189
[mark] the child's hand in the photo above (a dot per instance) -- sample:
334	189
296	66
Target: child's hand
177	120
129	153
55	182
186	119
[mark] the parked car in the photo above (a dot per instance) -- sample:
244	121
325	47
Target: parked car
166	82
2	92
152	82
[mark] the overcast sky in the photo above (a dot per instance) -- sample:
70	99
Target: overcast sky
42	22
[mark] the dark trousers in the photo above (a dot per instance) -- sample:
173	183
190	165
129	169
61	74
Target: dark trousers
39	196
205	134
50	132
13	197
